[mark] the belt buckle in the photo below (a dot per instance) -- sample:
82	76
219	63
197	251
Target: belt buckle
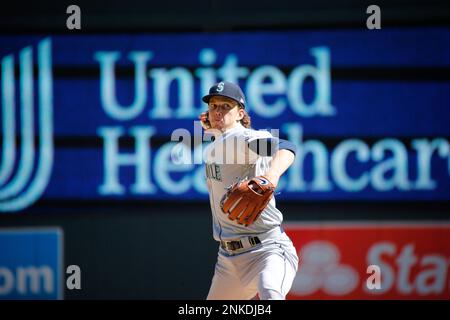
236	245
232	245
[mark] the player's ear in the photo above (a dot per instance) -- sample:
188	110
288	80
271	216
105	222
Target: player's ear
241	114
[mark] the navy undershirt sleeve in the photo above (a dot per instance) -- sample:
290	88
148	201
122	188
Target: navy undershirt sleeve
267	147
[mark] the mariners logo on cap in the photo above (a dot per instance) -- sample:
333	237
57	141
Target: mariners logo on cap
220	87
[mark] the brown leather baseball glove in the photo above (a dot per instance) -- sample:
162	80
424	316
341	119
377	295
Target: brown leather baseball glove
245	200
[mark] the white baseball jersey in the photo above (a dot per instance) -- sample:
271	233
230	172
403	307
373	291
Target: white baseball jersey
228	160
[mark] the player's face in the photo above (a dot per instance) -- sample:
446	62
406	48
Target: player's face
224	113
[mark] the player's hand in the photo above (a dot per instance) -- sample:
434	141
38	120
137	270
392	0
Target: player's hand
205	120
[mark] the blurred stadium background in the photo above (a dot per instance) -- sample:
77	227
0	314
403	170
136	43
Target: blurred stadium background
369	110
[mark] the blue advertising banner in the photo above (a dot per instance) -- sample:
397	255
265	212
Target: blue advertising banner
31	263
351	170
367	125
417	47
370	109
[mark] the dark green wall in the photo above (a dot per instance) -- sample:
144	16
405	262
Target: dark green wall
146	253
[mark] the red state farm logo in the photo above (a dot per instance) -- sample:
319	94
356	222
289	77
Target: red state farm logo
320	269
412	259
403	270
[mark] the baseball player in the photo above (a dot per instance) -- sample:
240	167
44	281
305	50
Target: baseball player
243	167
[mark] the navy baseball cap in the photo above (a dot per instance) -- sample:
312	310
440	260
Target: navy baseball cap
226	89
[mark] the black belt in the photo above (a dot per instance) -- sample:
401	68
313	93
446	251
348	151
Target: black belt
236	245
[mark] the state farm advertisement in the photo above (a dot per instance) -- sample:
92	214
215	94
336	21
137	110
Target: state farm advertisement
371	260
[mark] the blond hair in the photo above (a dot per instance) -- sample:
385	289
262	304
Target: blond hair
246	121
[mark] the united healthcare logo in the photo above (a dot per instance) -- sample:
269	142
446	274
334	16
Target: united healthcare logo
25	171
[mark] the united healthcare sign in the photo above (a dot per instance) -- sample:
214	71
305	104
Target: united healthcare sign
102	108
